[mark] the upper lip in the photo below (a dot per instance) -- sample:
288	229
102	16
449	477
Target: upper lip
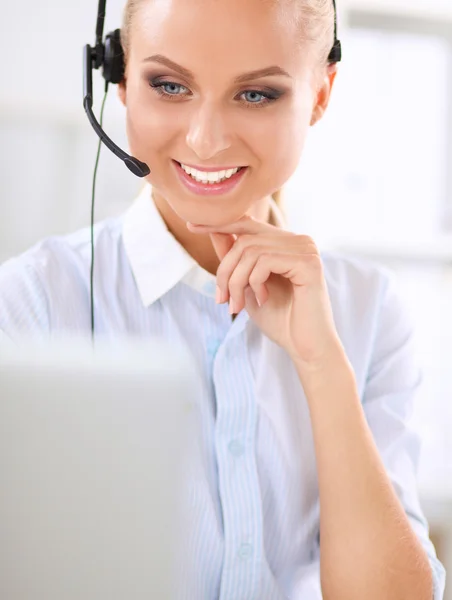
208	169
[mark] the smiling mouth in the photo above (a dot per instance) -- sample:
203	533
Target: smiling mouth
210	177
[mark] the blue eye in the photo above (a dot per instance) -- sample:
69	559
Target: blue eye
254	93
258	99
168	85
254	98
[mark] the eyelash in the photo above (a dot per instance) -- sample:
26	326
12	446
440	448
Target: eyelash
269	96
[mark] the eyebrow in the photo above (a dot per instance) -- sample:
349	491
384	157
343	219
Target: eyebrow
266	72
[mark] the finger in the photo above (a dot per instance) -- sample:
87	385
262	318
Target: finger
255	267
247	248
250	246
222	243
288	266
246	224
226	268
251	300
238	280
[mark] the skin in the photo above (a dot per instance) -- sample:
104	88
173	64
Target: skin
368	548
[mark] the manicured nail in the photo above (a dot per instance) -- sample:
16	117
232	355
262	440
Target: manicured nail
258	302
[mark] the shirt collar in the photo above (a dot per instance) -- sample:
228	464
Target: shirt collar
158	261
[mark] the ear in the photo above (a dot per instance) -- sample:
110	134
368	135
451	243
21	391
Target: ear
324	93
122	91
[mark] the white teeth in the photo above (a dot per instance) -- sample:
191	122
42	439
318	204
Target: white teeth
210	177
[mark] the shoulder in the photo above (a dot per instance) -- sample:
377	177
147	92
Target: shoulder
370	313
340	268
356	282
41	284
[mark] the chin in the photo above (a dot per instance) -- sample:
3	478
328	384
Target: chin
208	212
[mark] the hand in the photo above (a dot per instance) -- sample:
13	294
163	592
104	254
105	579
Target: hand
277	276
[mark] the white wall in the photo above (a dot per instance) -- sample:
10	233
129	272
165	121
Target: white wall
423	8
48	145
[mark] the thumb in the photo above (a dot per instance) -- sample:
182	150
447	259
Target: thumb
222	243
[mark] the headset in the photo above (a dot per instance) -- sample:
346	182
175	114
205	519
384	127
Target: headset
109	55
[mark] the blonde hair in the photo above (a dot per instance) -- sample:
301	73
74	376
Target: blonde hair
277	198
315	19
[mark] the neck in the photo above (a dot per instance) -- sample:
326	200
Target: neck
199	246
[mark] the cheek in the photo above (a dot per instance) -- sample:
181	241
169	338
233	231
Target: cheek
282	143
149	127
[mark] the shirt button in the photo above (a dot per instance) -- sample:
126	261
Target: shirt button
210	288
245	551
212	346
236	448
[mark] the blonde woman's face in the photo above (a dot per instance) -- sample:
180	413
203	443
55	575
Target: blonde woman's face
190	100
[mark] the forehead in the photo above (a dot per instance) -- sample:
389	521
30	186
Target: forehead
241	34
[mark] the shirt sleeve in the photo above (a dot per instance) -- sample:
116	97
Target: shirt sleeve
393	382
24	309
307	582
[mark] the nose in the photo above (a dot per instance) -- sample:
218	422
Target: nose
207	135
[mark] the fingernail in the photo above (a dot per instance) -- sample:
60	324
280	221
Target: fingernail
258	302
218	295
231	307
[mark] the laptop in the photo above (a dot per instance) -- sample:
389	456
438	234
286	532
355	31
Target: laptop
94	446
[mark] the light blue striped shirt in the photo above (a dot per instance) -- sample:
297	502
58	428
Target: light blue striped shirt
254	497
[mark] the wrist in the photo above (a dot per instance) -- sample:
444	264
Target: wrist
333	359
333	371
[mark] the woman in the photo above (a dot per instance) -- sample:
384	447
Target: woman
307	486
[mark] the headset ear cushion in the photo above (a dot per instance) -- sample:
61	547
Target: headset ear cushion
113	64
336	53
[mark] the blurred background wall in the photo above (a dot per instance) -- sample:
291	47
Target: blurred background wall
375	179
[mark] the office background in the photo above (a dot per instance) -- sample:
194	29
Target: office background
375	179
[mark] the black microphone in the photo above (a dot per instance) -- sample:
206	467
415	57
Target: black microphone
137	167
